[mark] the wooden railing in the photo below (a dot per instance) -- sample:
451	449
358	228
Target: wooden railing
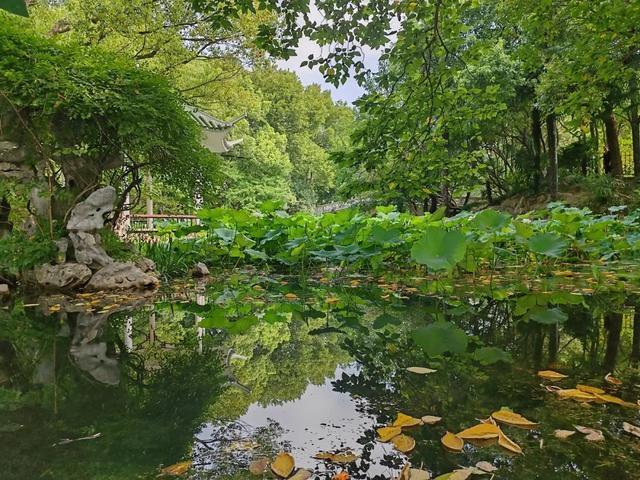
145	223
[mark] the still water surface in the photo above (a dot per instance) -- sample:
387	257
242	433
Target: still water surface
117	386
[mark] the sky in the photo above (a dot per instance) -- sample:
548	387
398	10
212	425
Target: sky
348	92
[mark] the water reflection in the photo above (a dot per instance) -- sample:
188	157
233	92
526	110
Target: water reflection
250	366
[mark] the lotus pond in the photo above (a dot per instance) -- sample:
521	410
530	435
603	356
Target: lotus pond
203	379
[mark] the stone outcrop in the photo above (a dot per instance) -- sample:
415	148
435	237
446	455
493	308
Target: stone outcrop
65	276
85	220
200	270
88	249
119	275
90	215
12	163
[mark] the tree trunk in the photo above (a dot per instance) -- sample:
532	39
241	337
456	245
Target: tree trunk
434	203
536	133
552	145
5	224
613	325
635	344
635	139
613	155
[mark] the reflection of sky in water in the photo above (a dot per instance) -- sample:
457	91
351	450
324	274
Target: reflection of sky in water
320	420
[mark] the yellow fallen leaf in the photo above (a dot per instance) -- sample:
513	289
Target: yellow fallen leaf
452	442
301	474
606	398
341	457
589	389
563	434
417	474
551	375
430	419
508	444
482	431
486	467
403	443
177	469
421	370
404	420
283	464
632	429
332	300
592	434
387	433
512	418
577	395
610	379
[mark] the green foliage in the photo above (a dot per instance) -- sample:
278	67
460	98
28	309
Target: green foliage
17	7
18	252
441	337
102	108
388	239
439	249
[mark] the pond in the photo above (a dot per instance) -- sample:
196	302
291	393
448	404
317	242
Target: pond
118	386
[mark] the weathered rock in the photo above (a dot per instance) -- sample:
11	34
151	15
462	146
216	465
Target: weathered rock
200	270
90	215
39	202
93	359
88	249
11	152
146	264
4	290
62	245
65	276
119	275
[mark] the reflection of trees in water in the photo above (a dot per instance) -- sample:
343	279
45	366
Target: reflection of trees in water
148	406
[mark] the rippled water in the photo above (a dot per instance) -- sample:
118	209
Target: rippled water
248	366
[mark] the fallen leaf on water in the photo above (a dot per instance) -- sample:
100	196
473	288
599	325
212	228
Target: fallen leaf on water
461	474
417	474
482	431
430	419
632	429
606	398
563	434
387	433
610	379
421	370
577	395
177	469
405	473
283	464
404	420
302	474
452	442
486	467
508	444
589	389
512	418
259	466
551	375
592	434
342	457
341	476
403	443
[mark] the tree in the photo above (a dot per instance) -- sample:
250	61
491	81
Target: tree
88	117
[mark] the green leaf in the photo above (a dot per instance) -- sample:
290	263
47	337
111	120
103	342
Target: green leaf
549	316
441	337
491	355
17	7
491	220
439	249
547	244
